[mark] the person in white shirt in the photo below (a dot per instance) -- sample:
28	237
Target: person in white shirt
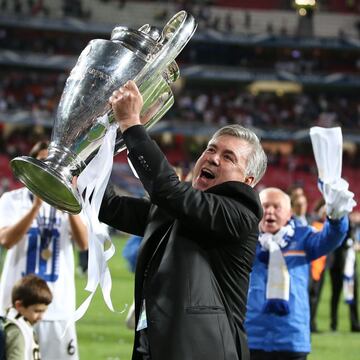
39	241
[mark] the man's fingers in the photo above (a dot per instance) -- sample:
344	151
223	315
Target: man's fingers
128	86
123	92
131	86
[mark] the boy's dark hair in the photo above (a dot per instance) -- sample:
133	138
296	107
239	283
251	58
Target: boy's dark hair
40	145
31	290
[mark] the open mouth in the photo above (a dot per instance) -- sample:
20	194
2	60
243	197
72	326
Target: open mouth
205	173
270	221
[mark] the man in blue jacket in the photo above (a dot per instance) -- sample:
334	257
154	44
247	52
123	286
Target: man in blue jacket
278	316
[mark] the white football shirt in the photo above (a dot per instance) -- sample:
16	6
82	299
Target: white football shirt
26	256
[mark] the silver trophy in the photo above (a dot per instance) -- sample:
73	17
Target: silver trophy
146	56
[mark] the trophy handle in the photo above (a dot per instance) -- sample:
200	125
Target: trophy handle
162	70
158	99
177	32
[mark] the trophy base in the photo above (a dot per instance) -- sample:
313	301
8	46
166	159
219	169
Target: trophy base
47	184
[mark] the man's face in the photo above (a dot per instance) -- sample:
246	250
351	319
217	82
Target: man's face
223	160
32	313
300	205
277	211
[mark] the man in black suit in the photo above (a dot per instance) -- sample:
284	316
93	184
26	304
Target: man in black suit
199	240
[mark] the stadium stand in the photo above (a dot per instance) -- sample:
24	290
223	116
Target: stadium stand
234	70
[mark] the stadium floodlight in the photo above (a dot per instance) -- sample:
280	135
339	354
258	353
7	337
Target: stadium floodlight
306	3
304	7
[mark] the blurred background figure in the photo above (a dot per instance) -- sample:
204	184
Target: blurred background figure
299	207
317	268
83	256
343	276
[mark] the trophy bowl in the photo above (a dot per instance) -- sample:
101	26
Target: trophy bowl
48	183
146	56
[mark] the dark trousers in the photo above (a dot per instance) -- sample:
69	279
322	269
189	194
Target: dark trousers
144	347
315	289
336	268
276	355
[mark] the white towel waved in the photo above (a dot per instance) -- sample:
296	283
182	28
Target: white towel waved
327	146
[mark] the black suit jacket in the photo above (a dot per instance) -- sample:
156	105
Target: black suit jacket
194	261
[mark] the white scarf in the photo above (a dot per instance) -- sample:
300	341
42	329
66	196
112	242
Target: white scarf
278	281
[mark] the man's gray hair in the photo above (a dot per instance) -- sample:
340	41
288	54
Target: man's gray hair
256	159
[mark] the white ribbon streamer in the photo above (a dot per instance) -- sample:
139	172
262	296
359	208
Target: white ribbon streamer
91	185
